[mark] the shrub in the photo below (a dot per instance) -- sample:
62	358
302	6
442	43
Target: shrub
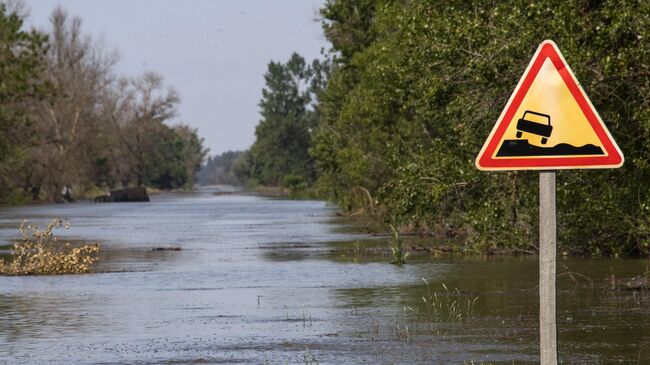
399	256
38	252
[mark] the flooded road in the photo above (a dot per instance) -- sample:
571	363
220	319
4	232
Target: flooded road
261	280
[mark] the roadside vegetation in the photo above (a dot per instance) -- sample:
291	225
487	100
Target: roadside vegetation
418	85
70	127
413	89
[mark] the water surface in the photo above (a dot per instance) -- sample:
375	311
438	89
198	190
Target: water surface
262	280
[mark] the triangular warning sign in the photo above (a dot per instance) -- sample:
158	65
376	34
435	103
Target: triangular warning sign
549	123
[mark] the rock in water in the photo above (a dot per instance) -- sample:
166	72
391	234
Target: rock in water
125	195
130	195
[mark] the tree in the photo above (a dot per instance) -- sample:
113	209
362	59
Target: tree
283	136
68	125
66	119
190	156
147	151
137	109
22	59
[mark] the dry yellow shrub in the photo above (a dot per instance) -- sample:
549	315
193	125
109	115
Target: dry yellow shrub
39	252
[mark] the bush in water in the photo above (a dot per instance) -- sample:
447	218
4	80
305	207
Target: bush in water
38	252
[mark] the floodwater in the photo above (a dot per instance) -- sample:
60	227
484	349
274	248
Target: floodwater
269	281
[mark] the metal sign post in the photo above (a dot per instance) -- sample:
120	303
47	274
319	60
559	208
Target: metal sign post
547	270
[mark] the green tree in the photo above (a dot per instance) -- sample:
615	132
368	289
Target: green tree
22	60
190	156
283	136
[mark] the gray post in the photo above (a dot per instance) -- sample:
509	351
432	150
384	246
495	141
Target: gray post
547	258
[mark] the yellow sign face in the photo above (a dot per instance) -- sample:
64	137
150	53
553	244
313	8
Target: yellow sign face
549	123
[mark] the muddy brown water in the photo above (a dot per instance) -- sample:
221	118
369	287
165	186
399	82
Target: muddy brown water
262	280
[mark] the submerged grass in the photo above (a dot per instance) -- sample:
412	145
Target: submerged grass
39	252
433	316
447	307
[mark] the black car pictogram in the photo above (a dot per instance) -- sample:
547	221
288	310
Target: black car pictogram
539	124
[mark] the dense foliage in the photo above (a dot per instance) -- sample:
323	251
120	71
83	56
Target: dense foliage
417	86
22	56
70	127
280	154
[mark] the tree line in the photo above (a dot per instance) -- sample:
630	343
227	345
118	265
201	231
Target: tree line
413	89
71	127
225	169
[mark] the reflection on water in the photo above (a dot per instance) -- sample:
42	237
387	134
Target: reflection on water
272	280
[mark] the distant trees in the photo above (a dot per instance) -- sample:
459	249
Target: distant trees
290	114
146	151
71	125
280	154
223	169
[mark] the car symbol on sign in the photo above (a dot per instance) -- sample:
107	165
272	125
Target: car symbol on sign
539	124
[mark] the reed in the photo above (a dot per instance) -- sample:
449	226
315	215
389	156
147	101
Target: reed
448	307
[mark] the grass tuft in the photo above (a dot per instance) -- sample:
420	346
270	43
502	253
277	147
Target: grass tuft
447	307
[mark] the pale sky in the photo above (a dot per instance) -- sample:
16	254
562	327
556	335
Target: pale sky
214	52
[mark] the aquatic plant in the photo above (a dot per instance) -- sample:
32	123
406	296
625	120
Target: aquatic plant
399	256
402	331
38	252
447	307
